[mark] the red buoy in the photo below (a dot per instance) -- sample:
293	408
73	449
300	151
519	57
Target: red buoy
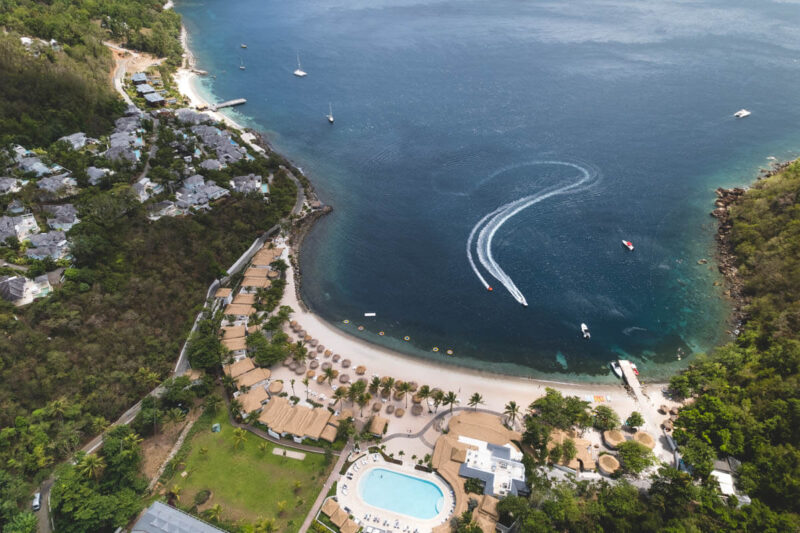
489	289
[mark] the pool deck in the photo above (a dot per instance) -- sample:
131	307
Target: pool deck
347	494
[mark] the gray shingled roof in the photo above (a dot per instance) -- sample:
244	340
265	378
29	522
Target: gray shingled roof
12	288
161	518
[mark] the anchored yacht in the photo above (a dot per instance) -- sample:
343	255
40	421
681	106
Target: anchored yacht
300	73
585	331
742	113
628	245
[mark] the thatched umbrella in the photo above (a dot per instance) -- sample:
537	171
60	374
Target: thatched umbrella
300	370
416	399
399	412
307	338
293	365
360	370
399	395
345	363
613	438
644	438
389	409
302	333
608	464
377	406
397	383
336	357
287	361
414	386
326	365
320	348
321	379
663	409
335	373
328	353
313	342
416	410
310	374
674	411
344	378
293	323
313	364
667	424
275	387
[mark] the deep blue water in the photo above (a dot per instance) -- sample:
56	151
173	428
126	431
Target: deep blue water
444	108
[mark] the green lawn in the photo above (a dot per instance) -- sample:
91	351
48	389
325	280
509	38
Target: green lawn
246	482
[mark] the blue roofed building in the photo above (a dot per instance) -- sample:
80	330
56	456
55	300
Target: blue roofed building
161	518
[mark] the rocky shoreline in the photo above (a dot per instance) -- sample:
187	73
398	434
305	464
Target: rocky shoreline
296	236
726	256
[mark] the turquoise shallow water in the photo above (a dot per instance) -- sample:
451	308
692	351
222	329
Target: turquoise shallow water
445	112
399	493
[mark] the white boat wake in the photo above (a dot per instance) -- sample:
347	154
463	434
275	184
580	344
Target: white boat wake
487	227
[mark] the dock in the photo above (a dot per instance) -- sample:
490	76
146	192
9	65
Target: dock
229	103
631	377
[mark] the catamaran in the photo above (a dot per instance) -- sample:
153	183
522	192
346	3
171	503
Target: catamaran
742	113
300	73
585	331
330	113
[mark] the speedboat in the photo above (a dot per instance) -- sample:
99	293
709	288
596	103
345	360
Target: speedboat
330	113
627	244
300	73
742	113
585	331
616	369
243	45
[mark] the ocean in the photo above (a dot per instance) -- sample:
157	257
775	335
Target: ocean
565	127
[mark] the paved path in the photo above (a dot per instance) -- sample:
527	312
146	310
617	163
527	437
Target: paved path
323	493
439	416
119	71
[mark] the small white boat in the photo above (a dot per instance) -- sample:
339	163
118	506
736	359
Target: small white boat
369	314
243	45
616	369
241	64
300	73
742	113
585	331
627	244
330	113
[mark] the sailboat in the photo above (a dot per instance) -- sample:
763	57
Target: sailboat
330	113
300	73
241	64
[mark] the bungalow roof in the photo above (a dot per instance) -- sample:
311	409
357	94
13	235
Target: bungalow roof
236	344
253	400
233	332
223	292
377	425
244	298
254	272
257	375
238	368
239	310
258	283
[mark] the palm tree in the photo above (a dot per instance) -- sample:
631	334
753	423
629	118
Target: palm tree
375	385
511	411
236	408
91	465
203	451
297	485
57	408
251	418
281	507
424	393
329	375
265	525
339	394
211	403
175	491
300	352
363	400
214	512
450	399
475	400
386	386
356	390
305	382
228	383
405	388
291	381
438	398
175	415
263	446
239	436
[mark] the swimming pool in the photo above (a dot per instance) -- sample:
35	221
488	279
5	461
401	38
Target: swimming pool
401	493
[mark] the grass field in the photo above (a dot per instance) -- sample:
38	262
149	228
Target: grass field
249	483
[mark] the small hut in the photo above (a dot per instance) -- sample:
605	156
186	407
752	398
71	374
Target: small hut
345	363
608	464
645	439
376	407
613	438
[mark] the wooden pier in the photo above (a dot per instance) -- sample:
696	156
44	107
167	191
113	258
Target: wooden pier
631	377
229	103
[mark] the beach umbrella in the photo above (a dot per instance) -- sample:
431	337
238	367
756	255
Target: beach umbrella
321	379
313	364
416	399
608	464
674	411
300	370
397	383
416	410
328	353
344	378
293	365
414	386
287	361
313	342
302	333
275	387
326	365
320	348
310	374
389	409
336	357
376	407
293	323
335	373
345	363
307	338
663	409
399	412
667	424
361	370
645	439
399	395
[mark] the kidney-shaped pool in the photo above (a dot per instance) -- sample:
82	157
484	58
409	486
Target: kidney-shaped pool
401	493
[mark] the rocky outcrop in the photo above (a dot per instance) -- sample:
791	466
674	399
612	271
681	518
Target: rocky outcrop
726	259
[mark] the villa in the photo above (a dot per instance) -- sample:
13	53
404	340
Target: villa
499	467
297	421
238	368
19	226
165	208
9	185
62	183
78	140
257	376
160	518
52	244
63	216
21	291
96	175
223	295
253	400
